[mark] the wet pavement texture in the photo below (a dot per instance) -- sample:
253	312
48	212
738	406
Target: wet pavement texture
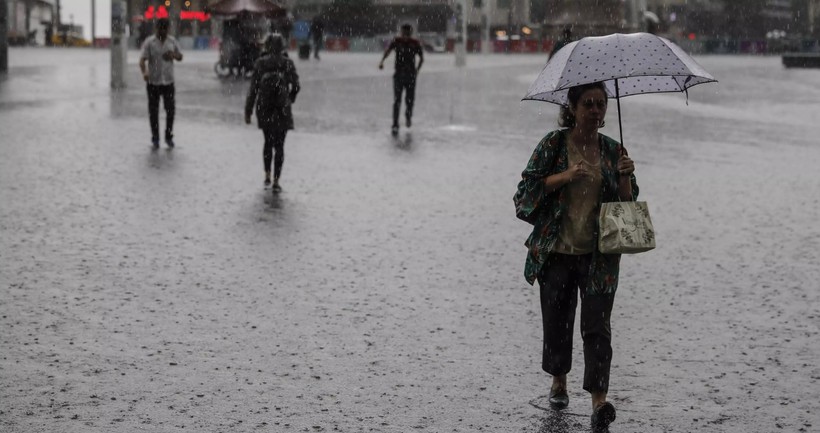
383	289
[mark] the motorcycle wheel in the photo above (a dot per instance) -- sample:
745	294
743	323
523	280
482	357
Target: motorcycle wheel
221	70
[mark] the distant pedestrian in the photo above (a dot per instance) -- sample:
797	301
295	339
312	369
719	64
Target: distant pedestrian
157	65
317	33
566	38
404	78
273	89
286	29
571	172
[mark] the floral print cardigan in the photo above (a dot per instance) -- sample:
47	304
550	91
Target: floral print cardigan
544	211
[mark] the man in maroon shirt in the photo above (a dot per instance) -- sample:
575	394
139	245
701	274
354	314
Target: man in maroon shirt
404	80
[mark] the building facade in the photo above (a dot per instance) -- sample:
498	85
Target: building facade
585	17
501	19
30	22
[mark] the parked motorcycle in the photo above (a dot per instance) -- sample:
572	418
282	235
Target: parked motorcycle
239	48
236	59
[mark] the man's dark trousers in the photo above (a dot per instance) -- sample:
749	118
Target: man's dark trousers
167	93
403	83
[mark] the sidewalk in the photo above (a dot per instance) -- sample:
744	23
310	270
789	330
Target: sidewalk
383	289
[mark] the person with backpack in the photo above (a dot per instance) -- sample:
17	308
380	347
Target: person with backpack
273	89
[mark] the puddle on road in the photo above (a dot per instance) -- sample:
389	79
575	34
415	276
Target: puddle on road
458	128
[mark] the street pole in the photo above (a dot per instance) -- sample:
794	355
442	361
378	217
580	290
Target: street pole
461	39
4	41
118	44
93	24
485	31
633	15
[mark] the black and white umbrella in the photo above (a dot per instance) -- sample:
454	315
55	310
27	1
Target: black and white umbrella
627	64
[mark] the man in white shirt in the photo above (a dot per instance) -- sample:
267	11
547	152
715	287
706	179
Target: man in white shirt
157	65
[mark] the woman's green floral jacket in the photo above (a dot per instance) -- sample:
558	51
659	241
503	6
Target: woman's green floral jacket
544	211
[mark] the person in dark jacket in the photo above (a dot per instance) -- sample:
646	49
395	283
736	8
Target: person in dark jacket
404	80
317	33
274	117
566	38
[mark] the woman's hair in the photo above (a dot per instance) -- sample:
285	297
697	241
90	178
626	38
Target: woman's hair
565	118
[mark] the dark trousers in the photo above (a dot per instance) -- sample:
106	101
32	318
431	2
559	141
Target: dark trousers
560	280
167	93
274	141
317	45
406	84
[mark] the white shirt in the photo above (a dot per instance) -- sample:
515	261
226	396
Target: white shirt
160	71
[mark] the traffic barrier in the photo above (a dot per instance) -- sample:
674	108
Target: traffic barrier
337	44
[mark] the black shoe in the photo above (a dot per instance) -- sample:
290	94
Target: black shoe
169	141
603	415
276	188
559	399
155	143
408	122
395	130
267	183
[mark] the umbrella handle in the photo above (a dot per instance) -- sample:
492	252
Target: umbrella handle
618	101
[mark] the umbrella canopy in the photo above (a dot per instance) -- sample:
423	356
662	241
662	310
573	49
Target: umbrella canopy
628	64
236	7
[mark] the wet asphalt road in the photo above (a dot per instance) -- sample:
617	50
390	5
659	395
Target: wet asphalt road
382	290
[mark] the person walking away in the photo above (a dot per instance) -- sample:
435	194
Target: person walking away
566	38
317	33
404	78
287	29
157	65
571	172
273	90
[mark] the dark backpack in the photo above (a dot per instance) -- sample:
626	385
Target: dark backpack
274	88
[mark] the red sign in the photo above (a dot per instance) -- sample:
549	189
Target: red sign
194	15
161	12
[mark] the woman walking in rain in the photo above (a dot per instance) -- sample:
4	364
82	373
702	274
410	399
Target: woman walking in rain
273	89
571	172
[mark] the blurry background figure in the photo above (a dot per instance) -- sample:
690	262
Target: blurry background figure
652	22
300	33
566	37
317	34
286	28
404	79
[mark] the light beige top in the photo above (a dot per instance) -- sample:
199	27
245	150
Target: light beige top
577	230
160	71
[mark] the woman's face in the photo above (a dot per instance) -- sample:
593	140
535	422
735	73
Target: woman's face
591	109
